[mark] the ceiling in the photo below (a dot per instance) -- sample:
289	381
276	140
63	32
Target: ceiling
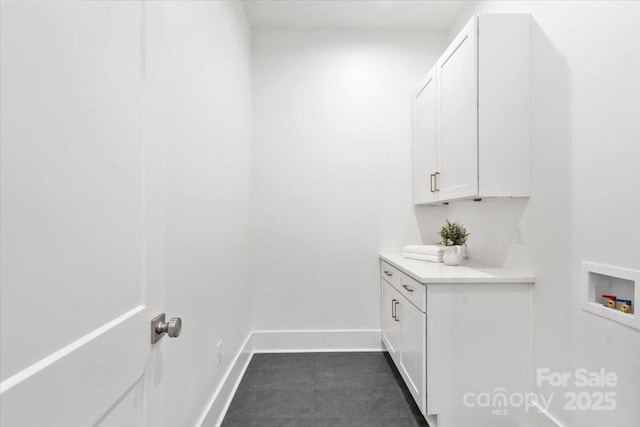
352	14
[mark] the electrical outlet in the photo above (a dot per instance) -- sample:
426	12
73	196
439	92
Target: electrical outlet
220	352
519	237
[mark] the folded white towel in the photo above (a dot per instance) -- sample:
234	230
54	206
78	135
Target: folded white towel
423	257
424	249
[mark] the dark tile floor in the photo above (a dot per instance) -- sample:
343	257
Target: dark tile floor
322	390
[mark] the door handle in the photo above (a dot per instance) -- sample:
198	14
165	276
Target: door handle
393	309
396	317
435	176
159	327
431	178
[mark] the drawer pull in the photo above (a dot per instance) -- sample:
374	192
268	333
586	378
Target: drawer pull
388	273
408	289
396	317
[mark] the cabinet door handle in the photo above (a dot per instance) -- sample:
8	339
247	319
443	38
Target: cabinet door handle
436	175
431	177
396	317
388	273
408	289
393	308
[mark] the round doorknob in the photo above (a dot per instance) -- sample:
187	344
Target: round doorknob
175	326
172	327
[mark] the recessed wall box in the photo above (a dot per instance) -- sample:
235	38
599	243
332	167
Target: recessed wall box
601	282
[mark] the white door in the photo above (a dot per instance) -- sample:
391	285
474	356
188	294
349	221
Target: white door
75	304
458	116
425	142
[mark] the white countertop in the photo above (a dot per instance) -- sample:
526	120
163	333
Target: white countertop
437	272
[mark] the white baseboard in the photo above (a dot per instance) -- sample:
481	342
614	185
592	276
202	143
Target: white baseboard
219	403
316	340
281	342
541	418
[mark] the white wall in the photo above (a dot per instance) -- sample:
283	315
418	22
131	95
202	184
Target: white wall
331	170
197	134
585	203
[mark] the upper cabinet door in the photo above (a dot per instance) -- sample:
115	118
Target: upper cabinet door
425	142
457	79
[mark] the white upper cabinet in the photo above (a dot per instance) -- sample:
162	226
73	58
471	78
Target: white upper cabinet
481	115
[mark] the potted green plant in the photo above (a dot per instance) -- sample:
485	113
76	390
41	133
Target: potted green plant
454	236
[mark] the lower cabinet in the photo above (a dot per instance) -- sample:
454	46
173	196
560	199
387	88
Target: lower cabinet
456	336
404	336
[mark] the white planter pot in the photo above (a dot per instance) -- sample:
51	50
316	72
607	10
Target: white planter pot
452	255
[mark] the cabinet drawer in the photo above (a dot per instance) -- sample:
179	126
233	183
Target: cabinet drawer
390	274
414	291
